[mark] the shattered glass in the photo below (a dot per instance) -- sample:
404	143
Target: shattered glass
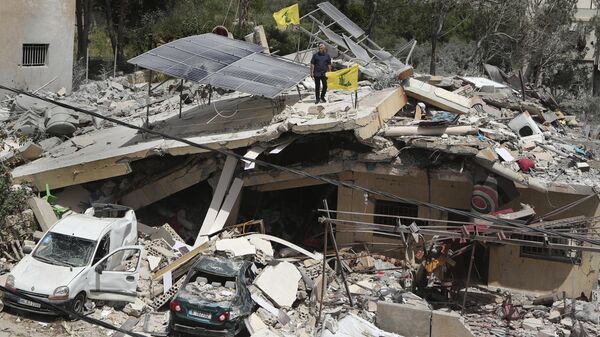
64	250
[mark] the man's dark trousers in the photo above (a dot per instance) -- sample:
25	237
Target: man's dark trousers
318	81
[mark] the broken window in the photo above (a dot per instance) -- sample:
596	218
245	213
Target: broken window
103	248
549	253
35	55
384	207
125	260
64	250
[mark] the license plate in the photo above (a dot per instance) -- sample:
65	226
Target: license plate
200	314
29	303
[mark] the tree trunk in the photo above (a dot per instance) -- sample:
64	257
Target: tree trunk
83	17
121	61
372	9
436	29
242	16
116	31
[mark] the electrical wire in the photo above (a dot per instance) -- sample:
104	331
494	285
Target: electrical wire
301	173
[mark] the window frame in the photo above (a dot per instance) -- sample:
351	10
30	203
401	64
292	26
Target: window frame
32	55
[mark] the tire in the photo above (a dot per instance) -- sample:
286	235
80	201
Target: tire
78	305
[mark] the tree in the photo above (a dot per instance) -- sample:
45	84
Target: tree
83	13
116	26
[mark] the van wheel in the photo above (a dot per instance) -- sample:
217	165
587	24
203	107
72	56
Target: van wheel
78	304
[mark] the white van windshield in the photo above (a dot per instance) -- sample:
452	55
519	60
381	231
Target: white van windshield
64	250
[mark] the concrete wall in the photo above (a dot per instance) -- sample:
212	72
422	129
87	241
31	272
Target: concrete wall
37	21
506	268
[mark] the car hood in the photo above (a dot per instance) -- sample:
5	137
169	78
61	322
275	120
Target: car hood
42	278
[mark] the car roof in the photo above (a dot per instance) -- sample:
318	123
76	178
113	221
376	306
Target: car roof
219	265
82	226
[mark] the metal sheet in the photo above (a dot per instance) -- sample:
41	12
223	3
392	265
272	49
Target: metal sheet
341	19
332	36
358	51
225	63
387	58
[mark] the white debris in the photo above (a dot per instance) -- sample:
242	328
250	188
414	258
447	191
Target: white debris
280	283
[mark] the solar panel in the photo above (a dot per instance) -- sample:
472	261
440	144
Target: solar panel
225	63
358	51
387	58
332	36
341	19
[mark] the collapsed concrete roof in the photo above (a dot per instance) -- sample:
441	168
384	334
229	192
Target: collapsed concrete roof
108	152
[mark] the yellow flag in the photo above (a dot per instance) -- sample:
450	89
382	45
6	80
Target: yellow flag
287	16
344	79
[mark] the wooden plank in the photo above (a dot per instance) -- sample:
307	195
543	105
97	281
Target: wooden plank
180	261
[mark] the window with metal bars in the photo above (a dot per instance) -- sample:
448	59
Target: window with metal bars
384	207
35	55
549	253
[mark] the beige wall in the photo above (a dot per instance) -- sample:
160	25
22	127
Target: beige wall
506	268
37	21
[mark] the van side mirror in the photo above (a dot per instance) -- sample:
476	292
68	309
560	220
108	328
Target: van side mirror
99	268
27	249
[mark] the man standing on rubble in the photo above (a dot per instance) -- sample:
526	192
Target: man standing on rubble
319	65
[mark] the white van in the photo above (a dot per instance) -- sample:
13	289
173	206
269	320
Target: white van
91	255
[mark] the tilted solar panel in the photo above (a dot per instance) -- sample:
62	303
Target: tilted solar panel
225	63
333	36
341	19
357	50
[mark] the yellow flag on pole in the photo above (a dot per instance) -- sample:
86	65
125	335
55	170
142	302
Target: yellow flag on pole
344	79
287	16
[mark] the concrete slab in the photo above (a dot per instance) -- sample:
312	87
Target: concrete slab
438	97
263	245
403	319
448	324
238	246
280	283
43	212
352	326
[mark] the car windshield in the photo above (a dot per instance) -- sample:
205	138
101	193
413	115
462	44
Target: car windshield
64	250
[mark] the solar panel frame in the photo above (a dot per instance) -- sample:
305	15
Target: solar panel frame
358	51
341	19
332	36
223	62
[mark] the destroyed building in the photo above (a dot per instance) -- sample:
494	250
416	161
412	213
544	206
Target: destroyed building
467	180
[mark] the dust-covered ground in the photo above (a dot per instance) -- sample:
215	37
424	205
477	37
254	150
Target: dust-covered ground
16	324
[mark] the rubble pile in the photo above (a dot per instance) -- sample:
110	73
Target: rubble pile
499	313
34	128
521	139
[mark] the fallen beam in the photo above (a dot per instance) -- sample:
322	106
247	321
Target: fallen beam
171	183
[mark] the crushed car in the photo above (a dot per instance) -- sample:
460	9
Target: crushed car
214	298
91	255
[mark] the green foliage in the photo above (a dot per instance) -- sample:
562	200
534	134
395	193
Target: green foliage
12	201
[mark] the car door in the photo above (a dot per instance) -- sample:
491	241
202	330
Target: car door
115	277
